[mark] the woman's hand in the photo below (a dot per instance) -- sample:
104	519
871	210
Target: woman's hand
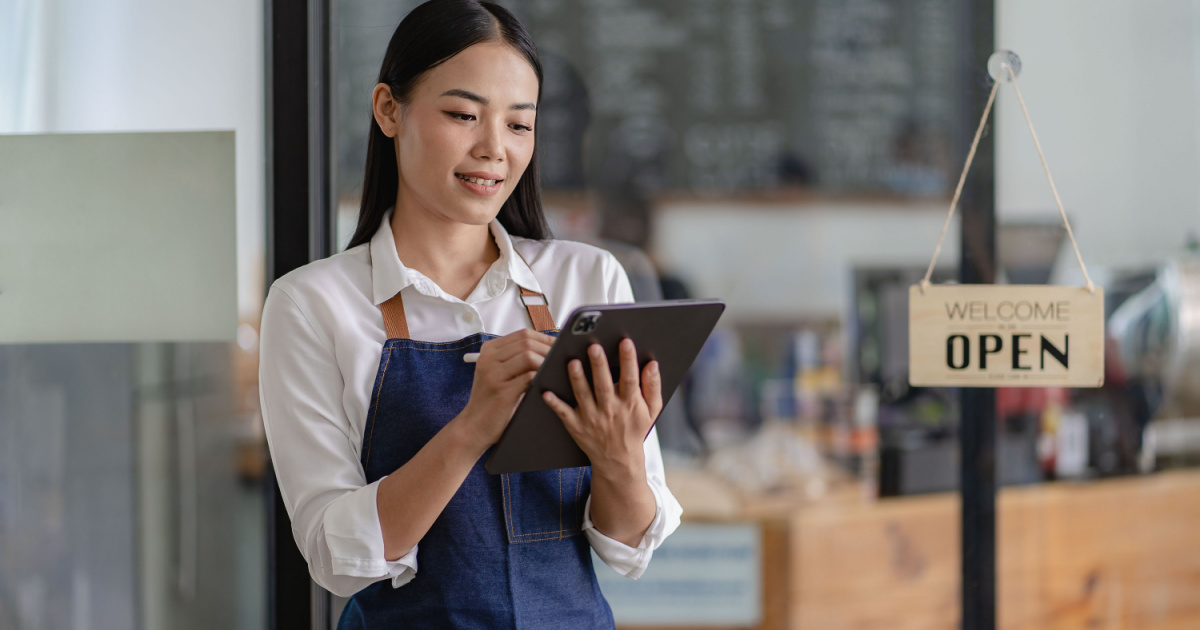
503	372
612	420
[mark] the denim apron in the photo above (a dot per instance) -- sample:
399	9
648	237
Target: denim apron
507	551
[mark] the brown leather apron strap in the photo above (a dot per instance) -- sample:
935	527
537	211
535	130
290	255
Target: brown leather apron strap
539	311
396	323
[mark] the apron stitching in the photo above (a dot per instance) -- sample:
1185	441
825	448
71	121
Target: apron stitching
400	341
560	527
508	505
578	492
371	436
439	349
506	482
557	531
560	537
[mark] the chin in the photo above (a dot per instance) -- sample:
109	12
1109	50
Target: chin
476	216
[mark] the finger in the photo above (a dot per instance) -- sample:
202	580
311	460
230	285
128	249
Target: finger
602	381
580	387
505	348
514	374
652	389
628	385
524	361
543	337
564	411
530	335
518	338
517	355
502	373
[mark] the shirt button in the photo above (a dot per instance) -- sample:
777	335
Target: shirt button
468	317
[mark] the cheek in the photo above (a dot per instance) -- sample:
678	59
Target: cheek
427	151
521	152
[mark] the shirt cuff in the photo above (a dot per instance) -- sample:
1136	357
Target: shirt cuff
630	562
355	539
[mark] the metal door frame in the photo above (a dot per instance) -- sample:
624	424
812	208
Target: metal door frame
298	214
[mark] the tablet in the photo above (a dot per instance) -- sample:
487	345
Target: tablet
671	332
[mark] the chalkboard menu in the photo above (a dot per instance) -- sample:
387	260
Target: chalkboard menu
714	96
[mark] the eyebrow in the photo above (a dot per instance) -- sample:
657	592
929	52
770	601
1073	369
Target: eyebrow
471	96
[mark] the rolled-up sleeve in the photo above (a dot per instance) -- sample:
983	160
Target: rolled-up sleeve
632	561
314	449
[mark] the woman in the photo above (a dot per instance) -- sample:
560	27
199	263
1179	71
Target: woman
378	427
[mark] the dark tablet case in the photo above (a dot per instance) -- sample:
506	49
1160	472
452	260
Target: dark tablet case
671	332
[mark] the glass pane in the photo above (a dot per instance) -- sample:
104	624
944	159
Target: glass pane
68	484
130	473
1105	536
796	159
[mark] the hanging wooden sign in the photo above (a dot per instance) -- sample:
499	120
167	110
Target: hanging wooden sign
1005	336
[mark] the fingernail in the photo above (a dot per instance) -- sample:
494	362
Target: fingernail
594	350
627	344
548	397
654	367
574	365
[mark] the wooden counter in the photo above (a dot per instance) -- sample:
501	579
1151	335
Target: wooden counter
1121	553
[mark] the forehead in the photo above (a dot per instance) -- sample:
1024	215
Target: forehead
493	70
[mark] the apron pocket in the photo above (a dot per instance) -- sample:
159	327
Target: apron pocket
544	505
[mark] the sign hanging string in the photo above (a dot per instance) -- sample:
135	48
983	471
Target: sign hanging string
966	167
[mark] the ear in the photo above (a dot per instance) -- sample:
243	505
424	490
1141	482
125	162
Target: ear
386	110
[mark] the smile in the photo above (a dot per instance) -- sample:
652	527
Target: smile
476	180
480	186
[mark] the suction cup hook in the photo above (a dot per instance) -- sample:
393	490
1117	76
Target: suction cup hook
1001	61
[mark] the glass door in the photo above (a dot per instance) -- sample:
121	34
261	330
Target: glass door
131	280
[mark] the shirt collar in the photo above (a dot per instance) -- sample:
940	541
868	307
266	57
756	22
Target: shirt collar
389	276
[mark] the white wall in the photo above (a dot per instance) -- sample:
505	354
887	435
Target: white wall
1111	86
145	65
779	262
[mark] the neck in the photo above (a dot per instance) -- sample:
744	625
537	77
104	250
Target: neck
454	255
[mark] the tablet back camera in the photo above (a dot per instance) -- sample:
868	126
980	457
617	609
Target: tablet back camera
586	323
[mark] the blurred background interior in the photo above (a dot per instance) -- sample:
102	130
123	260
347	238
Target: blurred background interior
794	157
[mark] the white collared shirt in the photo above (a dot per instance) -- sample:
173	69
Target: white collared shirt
322	338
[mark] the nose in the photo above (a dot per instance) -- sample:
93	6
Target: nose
490	143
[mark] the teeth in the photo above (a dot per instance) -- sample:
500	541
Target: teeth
476	180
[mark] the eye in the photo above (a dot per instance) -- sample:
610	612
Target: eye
521	127
461	116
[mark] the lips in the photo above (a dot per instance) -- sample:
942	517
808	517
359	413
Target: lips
483	184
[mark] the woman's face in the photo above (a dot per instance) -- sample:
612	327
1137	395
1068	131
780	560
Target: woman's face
465	136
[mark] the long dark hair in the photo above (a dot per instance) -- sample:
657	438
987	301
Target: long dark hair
432	33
